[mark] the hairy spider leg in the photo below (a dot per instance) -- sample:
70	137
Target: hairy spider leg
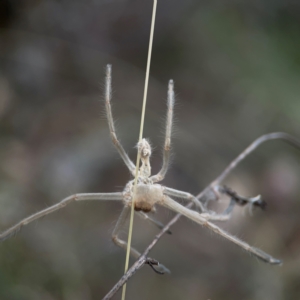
167	146
146	217
130	165
76	197
123	244
184	195
198	218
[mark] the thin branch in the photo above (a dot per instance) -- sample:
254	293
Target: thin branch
143	259
264	138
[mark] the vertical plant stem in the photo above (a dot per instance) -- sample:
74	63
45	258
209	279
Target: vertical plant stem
140	139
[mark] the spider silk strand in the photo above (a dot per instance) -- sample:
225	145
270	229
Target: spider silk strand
140	139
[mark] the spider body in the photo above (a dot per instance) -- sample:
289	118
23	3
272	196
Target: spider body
148	192
145	196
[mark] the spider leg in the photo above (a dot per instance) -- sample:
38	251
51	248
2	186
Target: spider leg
119	226
184	195
130	165
166	154
77	197
224	216
198	218
123	244
152	220
230	208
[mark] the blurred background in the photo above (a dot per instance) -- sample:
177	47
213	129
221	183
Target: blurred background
236	67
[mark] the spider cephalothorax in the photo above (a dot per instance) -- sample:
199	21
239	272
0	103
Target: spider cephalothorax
146	194
145	169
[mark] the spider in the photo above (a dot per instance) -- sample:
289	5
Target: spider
149	192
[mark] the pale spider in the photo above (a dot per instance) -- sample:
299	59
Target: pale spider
149	192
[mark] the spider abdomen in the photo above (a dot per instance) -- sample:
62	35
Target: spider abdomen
146	196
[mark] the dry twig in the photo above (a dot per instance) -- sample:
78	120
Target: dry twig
211	192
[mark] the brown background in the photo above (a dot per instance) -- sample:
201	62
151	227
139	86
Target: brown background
236	66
